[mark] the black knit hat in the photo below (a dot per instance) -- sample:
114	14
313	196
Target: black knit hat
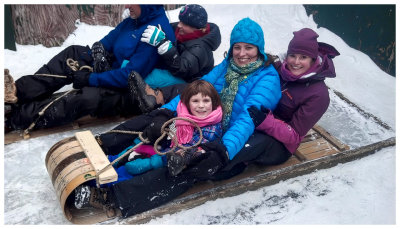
193	15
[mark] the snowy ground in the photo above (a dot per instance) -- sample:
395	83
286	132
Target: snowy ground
359	192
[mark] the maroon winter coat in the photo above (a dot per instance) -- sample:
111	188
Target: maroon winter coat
303	101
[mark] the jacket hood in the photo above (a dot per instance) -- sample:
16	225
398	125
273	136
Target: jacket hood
213	39
150	12
325	67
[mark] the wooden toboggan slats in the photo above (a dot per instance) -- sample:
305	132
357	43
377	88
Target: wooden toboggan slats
315	146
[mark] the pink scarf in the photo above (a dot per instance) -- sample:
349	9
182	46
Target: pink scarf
184	129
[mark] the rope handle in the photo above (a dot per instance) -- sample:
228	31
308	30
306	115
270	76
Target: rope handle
166	131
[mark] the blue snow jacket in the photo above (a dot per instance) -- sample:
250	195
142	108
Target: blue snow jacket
261	88
124	42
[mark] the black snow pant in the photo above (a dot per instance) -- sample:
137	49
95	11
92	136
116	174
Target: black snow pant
35	92
170	92
156	187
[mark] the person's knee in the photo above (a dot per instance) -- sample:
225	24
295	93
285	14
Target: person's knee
273	151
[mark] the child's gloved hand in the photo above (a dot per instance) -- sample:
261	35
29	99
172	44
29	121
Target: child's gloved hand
153	35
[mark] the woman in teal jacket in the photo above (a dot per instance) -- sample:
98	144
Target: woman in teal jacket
259	86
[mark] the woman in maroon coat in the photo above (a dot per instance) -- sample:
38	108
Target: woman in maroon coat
305	97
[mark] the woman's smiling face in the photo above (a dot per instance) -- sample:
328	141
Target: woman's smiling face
298	63
244	53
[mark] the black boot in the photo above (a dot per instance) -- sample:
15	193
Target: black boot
91	197
82	197
137	89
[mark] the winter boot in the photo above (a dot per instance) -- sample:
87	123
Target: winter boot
10	90
91	197
82	197
147	97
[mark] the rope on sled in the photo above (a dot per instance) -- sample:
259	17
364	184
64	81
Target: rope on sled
41	113
74	65
165	132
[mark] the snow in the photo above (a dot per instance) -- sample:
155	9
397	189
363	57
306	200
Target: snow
358	192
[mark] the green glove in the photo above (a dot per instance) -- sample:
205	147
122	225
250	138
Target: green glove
153	35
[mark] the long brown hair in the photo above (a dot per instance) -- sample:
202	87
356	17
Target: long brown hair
203	87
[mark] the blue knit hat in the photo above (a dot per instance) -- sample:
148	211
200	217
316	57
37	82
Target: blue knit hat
193	15
248	31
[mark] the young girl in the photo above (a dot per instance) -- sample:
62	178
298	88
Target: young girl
200	103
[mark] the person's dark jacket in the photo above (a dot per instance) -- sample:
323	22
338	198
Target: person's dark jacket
192	59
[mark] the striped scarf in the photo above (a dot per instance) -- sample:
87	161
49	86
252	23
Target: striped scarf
233	77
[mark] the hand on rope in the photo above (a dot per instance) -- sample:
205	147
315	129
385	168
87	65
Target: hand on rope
80	79
80	75
153	131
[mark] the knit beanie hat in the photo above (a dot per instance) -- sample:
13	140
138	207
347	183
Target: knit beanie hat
248	31
304	42
193	15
